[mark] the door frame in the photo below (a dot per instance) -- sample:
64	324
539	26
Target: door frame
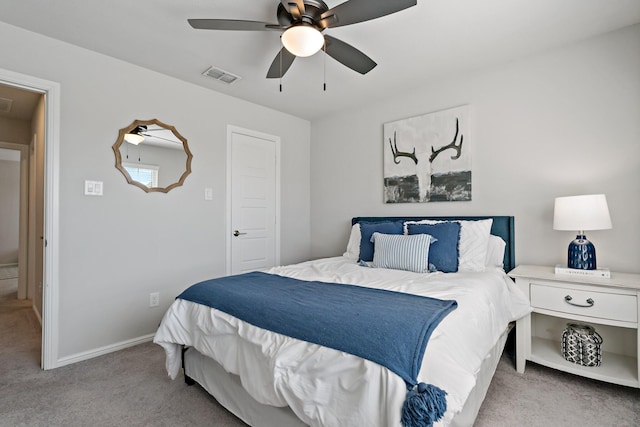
231	129
50	303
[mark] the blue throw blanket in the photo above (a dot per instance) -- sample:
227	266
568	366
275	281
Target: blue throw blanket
385	327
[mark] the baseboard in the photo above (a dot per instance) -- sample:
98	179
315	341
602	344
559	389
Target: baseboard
37	313
86	355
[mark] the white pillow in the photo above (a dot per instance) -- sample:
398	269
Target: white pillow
495	252
473	244
402	252
353	246
474	241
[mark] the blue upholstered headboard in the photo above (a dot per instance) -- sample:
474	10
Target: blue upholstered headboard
503	226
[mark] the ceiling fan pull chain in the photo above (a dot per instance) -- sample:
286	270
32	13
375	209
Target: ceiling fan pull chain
280	69
324	65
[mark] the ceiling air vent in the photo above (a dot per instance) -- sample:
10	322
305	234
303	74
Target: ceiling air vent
221	75
5	105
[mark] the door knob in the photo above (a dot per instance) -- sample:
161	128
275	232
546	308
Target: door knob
237	233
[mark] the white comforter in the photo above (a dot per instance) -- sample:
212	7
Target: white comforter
326	387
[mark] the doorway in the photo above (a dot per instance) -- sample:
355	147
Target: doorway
22	209
253	200
35	135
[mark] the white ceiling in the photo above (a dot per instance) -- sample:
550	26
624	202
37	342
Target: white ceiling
411	47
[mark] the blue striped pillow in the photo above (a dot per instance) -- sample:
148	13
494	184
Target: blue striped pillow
402	252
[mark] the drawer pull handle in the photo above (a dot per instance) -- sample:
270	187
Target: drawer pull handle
589	303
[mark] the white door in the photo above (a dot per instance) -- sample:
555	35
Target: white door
253	197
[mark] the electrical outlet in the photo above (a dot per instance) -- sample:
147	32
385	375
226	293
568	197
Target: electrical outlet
154	299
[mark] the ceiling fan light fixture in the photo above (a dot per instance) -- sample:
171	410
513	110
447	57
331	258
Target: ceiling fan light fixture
302	40
133	138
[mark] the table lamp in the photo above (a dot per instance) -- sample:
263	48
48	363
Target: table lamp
580	213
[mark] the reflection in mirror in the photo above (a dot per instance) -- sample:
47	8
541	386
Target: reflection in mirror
152	155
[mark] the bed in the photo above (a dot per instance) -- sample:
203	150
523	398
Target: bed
268	378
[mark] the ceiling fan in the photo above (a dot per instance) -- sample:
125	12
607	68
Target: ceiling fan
302	23
138	134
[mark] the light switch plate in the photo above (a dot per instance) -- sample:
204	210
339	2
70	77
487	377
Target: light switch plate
208	193
93	188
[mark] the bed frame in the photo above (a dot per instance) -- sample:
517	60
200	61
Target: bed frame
228	391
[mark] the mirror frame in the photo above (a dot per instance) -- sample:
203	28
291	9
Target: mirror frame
120	141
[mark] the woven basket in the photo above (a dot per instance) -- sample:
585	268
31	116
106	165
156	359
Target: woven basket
581	344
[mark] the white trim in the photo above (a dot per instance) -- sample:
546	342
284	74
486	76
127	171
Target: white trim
50	303
276	140
101	351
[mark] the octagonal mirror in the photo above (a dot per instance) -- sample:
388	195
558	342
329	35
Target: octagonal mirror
152	155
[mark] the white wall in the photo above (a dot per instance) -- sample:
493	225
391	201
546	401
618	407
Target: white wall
9	205
565	122
180	238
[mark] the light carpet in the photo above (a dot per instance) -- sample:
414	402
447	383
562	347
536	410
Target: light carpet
131	388
8	289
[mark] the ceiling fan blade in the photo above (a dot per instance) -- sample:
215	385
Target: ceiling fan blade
353	11
230	24
280	64
294	7
327	22
348	55
284	17
160	137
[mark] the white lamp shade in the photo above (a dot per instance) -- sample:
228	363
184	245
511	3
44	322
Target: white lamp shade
579	213
133	138
302	40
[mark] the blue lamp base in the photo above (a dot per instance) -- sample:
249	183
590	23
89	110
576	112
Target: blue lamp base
582	254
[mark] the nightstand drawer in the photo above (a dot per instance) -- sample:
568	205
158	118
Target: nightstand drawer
595	302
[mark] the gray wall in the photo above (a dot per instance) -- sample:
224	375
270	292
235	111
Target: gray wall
104	283
561	123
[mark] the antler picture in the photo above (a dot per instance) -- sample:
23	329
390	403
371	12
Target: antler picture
452	144
421	170
396	153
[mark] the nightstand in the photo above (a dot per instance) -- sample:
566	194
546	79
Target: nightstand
611	306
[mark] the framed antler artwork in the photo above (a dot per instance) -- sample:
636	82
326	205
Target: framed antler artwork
427	158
